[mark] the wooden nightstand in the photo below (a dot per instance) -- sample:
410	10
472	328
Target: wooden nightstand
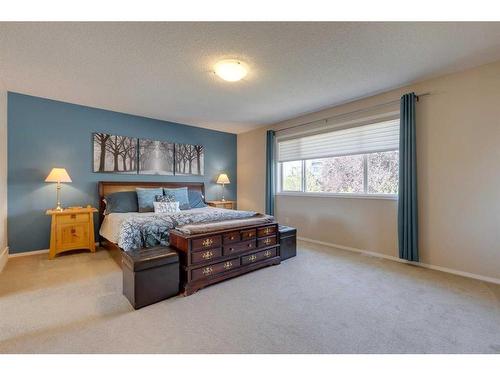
71	229
223	204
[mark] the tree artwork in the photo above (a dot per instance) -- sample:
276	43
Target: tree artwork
115	153
189	159
156	157
120	154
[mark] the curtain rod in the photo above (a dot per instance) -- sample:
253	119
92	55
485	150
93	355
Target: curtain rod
350	113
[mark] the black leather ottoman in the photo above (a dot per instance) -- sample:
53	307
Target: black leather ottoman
288	242
150	275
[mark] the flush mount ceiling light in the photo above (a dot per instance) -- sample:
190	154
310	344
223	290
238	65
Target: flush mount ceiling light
230	70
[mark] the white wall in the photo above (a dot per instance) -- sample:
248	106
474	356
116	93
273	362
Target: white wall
458	157
3	174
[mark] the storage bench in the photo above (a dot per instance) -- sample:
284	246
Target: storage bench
150	275
288	242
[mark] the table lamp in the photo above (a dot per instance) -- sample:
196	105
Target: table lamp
58	175
223	179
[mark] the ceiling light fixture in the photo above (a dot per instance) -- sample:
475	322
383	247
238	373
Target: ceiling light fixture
230	70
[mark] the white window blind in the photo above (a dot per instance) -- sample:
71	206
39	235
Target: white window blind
380	136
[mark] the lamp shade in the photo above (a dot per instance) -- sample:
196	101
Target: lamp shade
223	179
58	175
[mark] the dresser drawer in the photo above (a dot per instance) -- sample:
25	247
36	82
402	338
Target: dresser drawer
72	218
266	231
247	259
206	242
239	247
214	269
248	234
266	241
231	237
204	255
73	236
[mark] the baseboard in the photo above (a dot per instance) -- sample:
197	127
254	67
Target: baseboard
396	259
35	252
4	257
27	253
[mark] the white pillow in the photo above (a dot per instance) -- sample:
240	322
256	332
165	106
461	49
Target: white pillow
166	207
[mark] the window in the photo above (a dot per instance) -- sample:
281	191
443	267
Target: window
362	160
292	176
382	172
341	174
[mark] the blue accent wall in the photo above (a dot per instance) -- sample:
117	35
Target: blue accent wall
44	133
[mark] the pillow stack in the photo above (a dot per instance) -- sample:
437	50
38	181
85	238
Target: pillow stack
146	199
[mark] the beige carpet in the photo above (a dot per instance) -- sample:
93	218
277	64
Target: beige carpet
323	301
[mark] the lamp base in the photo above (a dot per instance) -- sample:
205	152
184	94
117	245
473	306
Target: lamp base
58	190
223	199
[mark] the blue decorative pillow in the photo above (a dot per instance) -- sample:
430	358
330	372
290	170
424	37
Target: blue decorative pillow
196	199
180	195
123	201
146	197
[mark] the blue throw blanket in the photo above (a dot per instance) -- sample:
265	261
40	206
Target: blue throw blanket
148	231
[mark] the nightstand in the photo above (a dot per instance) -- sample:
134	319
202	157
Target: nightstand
71	229
223	204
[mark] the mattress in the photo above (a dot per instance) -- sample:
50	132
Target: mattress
110	228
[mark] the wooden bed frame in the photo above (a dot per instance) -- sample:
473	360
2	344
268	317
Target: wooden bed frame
108	187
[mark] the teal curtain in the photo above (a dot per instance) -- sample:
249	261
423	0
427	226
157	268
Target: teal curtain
270	175
407	203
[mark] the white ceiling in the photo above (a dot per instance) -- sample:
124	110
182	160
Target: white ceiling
163	70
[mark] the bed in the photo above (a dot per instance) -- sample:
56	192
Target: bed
213	244
109	240
132	230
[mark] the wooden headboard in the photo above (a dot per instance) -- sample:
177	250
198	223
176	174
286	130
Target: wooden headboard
108	187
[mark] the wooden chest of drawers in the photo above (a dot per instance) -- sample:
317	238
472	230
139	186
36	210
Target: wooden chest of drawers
212	257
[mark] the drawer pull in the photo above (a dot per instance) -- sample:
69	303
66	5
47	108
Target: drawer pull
267	253
250	234
207	270
73	231
267	241
73	216
252	258
228	265
267	230
207	255
231	238
249	245
207	242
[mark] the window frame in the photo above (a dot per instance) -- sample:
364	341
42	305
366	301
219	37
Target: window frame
302	192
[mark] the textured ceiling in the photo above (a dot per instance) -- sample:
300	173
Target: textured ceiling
163	70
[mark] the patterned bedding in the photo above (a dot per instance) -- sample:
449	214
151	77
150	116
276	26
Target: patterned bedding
152	230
